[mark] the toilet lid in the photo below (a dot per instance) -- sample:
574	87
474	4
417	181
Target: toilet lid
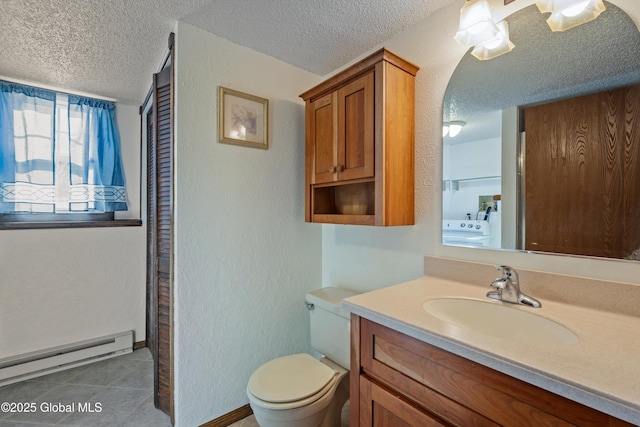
289	378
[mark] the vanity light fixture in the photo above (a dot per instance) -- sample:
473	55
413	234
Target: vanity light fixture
476	24
478	30
497	46
445	129
566	14
454	127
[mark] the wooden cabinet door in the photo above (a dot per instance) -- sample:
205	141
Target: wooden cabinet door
342	130
356	129
323	133
380	408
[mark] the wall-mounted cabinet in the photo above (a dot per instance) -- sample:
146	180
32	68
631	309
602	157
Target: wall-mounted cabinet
360	144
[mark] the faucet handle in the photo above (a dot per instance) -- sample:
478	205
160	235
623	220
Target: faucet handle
506	270
499	283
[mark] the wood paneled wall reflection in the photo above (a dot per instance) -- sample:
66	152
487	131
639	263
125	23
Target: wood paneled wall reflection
582	175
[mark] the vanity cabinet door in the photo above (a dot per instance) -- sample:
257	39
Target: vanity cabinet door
381	408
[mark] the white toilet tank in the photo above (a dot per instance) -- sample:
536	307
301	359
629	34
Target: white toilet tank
330	323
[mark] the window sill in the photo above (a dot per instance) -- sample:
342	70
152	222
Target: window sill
25	225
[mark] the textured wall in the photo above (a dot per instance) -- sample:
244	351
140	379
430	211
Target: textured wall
244	257
65	285
366	258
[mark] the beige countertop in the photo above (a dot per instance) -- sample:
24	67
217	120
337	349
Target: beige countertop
601	370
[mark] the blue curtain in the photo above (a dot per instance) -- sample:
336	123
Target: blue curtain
19	104
58	153
100	180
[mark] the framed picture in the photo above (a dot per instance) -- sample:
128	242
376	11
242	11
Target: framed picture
243	119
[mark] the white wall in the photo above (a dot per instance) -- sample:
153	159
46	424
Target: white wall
472	159
64	285
244	257
367	258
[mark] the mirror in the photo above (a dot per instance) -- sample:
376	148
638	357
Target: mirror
484	166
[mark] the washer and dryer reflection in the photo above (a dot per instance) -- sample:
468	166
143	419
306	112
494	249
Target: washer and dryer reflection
469	233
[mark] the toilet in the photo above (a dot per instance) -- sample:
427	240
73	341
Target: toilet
299	390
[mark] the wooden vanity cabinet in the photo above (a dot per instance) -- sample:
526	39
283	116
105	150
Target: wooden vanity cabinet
359	149
399	381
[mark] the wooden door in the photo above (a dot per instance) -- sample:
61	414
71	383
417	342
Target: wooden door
631	181
581	169
356	129
164	244
152	288
322	126
160	237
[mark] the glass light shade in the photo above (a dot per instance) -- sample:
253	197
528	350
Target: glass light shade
499	45
476	24
455	128
566	14
545	6
445	130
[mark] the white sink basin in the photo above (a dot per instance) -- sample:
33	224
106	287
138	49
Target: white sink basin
498	320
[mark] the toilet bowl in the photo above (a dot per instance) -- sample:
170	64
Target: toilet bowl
299	390
317	401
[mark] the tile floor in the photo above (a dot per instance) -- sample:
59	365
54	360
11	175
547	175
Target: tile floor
123	386
250	421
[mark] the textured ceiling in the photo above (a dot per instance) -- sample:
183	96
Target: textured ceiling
110	48
544	65
318	36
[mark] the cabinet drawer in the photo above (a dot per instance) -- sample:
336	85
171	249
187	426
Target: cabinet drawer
431	377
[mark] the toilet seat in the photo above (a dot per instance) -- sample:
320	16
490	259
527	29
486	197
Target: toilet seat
291	381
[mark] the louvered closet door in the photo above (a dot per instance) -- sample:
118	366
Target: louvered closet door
163	240
151	233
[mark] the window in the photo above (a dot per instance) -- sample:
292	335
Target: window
59	157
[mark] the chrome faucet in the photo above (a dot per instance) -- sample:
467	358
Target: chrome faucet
507	288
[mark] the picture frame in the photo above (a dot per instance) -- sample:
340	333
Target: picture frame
243	119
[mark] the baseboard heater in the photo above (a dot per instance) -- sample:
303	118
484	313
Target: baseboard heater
30	365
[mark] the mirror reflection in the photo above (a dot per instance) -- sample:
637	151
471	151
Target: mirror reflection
540	162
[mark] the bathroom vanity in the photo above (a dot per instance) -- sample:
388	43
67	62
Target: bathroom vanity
411	368
404	381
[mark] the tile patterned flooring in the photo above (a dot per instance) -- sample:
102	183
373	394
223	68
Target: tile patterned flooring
123	386
250	421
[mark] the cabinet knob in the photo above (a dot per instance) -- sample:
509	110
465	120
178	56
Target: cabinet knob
332	169
340	168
